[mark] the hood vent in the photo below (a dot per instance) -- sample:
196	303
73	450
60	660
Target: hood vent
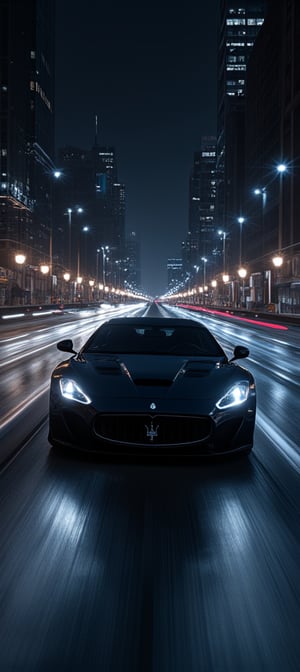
198	369
198	373
109	367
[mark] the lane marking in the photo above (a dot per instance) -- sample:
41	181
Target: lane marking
286	447
20	408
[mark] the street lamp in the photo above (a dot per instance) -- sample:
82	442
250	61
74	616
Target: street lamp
204	269
241	222
281	169
69	212
20	259
204	276
242	274
104	248
261	191
83	229
223	234
97	264
278	258
277	261
91	290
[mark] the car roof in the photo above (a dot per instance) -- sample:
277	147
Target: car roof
155	322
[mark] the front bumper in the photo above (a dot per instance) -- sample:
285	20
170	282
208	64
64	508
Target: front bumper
152	434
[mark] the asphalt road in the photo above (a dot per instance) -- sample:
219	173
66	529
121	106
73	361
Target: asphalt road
164	567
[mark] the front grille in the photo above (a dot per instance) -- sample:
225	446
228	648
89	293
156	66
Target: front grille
147	430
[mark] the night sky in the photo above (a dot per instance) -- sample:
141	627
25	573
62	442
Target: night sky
149	73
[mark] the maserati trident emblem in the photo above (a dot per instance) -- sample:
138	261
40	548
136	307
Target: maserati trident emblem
152	432
153	406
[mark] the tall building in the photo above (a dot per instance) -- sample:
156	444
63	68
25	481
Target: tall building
26	132
202	193
132	262
239	25
90	187
175	274
273	138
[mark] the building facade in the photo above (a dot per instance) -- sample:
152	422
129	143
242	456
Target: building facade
175	274
202	194
27	142
273	141
239	26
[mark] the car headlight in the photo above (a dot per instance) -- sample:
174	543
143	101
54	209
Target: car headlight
237	395
70	390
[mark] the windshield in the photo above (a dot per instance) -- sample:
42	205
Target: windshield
189	341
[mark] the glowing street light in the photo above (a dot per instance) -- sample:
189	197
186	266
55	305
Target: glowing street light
281	168
277	261
242	273
20	258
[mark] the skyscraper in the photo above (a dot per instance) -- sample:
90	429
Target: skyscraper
27	129
202	195
90	180
273	140
239	24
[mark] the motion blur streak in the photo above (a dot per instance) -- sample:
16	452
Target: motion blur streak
15	412
288	448
270	325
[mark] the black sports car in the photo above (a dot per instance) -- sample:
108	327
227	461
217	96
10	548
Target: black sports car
152	386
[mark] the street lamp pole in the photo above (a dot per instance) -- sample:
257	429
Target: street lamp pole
278	259
281	168
263	193
241	222
97	264
83	229
104	250
69	212
223	234
69	230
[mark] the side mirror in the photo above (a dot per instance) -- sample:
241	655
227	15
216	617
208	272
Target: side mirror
66	346
240	352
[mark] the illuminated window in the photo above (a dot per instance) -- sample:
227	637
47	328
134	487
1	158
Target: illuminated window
236	22
255	22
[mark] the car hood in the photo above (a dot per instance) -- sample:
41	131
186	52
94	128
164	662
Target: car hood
166	376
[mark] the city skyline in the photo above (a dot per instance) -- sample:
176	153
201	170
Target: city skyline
152	83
